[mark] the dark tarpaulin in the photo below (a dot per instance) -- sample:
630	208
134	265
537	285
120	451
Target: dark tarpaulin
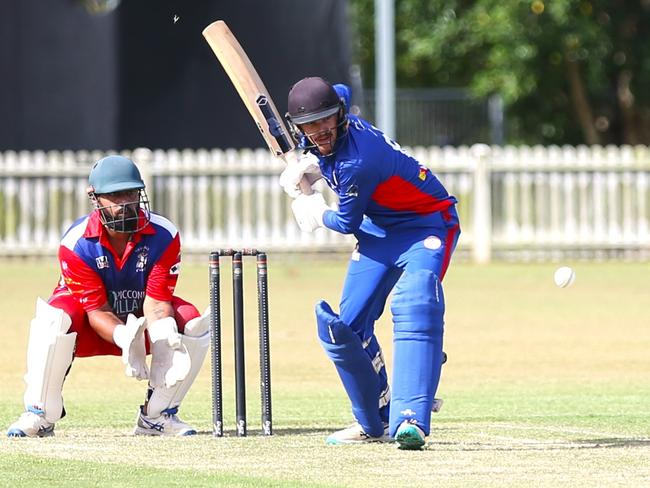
135	77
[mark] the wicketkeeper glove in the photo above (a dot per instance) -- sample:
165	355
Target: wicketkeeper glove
130	338
170	361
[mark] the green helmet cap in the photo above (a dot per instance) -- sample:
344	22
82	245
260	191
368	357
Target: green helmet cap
115	173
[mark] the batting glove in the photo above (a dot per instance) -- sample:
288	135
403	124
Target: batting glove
309	210
305	166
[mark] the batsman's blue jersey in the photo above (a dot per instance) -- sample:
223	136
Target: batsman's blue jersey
373	176
407	229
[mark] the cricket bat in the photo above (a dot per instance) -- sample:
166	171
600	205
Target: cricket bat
253	93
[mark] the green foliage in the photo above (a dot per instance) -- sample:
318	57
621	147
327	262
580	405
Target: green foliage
544	58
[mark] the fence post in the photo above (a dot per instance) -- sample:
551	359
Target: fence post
143	158
482	208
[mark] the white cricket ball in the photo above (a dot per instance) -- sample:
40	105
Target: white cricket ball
564	276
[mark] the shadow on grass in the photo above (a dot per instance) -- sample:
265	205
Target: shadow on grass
277	432
530	445
615	442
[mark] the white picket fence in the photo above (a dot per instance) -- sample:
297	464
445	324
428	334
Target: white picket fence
523	203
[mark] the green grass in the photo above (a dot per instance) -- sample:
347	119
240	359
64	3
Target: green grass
543	387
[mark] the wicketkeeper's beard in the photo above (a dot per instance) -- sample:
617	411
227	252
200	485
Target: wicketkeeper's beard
125	221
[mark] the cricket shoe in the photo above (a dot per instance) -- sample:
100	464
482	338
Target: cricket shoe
167	424
354	434
31	424
409	436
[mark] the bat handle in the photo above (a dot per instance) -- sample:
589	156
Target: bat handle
305	186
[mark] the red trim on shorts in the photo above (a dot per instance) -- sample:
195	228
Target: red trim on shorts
449	243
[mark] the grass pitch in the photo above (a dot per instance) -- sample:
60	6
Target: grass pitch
543	387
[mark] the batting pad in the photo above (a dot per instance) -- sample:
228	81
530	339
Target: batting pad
418	309
354	366
49	355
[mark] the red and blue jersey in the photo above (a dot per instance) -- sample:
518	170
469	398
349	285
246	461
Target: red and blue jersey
93	273
373	176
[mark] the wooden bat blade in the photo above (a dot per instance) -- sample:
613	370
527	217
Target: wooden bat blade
250	87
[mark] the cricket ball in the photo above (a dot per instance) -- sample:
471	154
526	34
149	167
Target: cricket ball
564	276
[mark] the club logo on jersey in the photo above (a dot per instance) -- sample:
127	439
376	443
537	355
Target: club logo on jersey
142	256
423	173
102	262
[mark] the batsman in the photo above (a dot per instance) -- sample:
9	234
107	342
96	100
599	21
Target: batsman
406	228
119	268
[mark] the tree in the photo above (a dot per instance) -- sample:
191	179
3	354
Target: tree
569	71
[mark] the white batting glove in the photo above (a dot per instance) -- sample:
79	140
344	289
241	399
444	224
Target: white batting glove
308	211
130	338
305	166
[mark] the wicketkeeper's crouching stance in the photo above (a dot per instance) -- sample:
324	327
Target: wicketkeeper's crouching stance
119	268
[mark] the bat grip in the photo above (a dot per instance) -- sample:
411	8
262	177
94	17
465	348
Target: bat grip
305	186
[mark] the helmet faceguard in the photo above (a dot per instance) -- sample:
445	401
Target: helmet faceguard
116	178
313	99
127	216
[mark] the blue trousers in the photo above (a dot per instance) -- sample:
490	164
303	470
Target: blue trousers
411	262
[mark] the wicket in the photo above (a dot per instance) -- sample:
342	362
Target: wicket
238	319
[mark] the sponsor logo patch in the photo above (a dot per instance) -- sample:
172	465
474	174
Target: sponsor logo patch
102	262
124	302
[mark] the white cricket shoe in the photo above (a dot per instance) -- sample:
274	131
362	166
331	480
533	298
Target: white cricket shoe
354	434
409	436
167	424
31	424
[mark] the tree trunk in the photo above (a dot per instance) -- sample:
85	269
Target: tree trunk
580	103
626	106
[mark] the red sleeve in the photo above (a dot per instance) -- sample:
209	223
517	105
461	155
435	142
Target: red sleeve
164	274
84	284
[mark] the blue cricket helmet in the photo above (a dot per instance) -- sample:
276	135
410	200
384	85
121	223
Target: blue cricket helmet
115	173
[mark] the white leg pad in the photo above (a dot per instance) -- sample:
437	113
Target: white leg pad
49	355
163	397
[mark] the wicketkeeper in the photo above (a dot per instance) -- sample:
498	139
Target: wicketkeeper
406	227
119	267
